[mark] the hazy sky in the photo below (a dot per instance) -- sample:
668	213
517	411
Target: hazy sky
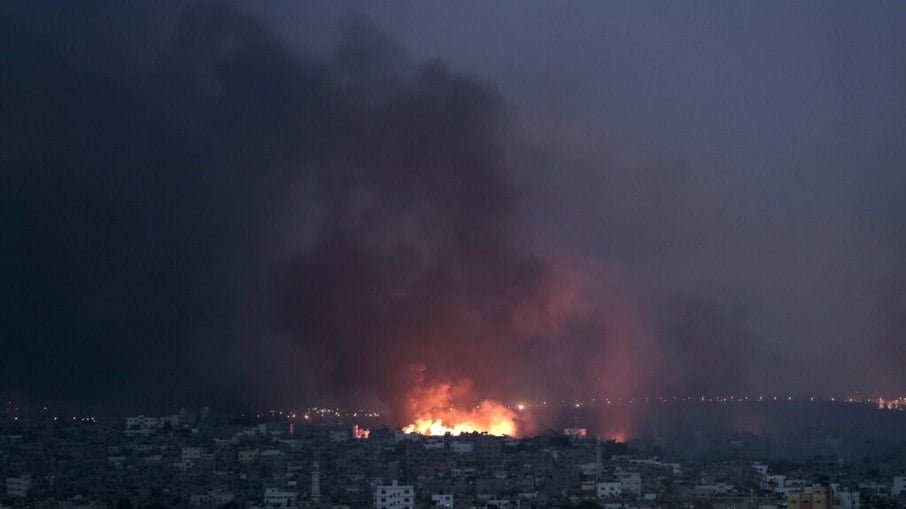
170	178
744	157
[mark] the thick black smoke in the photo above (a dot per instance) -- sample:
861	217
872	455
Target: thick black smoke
416	269
139	151
184	200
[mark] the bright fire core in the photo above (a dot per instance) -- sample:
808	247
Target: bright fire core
434	414
489	417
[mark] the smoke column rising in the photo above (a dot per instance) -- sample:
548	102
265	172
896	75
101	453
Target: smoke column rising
420	270
207	216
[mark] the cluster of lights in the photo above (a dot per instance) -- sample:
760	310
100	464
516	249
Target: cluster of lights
522	406
892	404
318	413
74	419
899	403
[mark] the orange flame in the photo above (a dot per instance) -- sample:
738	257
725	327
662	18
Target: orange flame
433	412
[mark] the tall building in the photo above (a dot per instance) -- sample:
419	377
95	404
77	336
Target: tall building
315	483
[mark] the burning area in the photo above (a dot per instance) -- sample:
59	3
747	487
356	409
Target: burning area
434	411
272	207
334	229
412	276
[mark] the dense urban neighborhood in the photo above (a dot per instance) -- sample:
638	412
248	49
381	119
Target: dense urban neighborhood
198	459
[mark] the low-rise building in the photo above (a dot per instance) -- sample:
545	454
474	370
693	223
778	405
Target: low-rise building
394	496
442	500
18	487
277	497
609	489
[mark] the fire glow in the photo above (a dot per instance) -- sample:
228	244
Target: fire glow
433	412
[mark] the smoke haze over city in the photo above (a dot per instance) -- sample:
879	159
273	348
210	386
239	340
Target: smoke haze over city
411	206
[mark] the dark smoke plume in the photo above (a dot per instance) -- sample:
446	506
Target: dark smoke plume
418	268
188	201
139	152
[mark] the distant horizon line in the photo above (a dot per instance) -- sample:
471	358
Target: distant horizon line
320	412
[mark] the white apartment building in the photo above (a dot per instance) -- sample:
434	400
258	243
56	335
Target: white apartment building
394	497
610	489
849	500
899	486
630	482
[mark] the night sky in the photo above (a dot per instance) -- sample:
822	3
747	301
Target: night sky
260	204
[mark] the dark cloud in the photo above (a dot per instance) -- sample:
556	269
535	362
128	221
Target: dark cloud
148	206
138	153
420	271
195	209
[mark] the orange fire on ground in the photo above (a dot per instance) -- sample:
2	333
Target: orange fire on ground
433	412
